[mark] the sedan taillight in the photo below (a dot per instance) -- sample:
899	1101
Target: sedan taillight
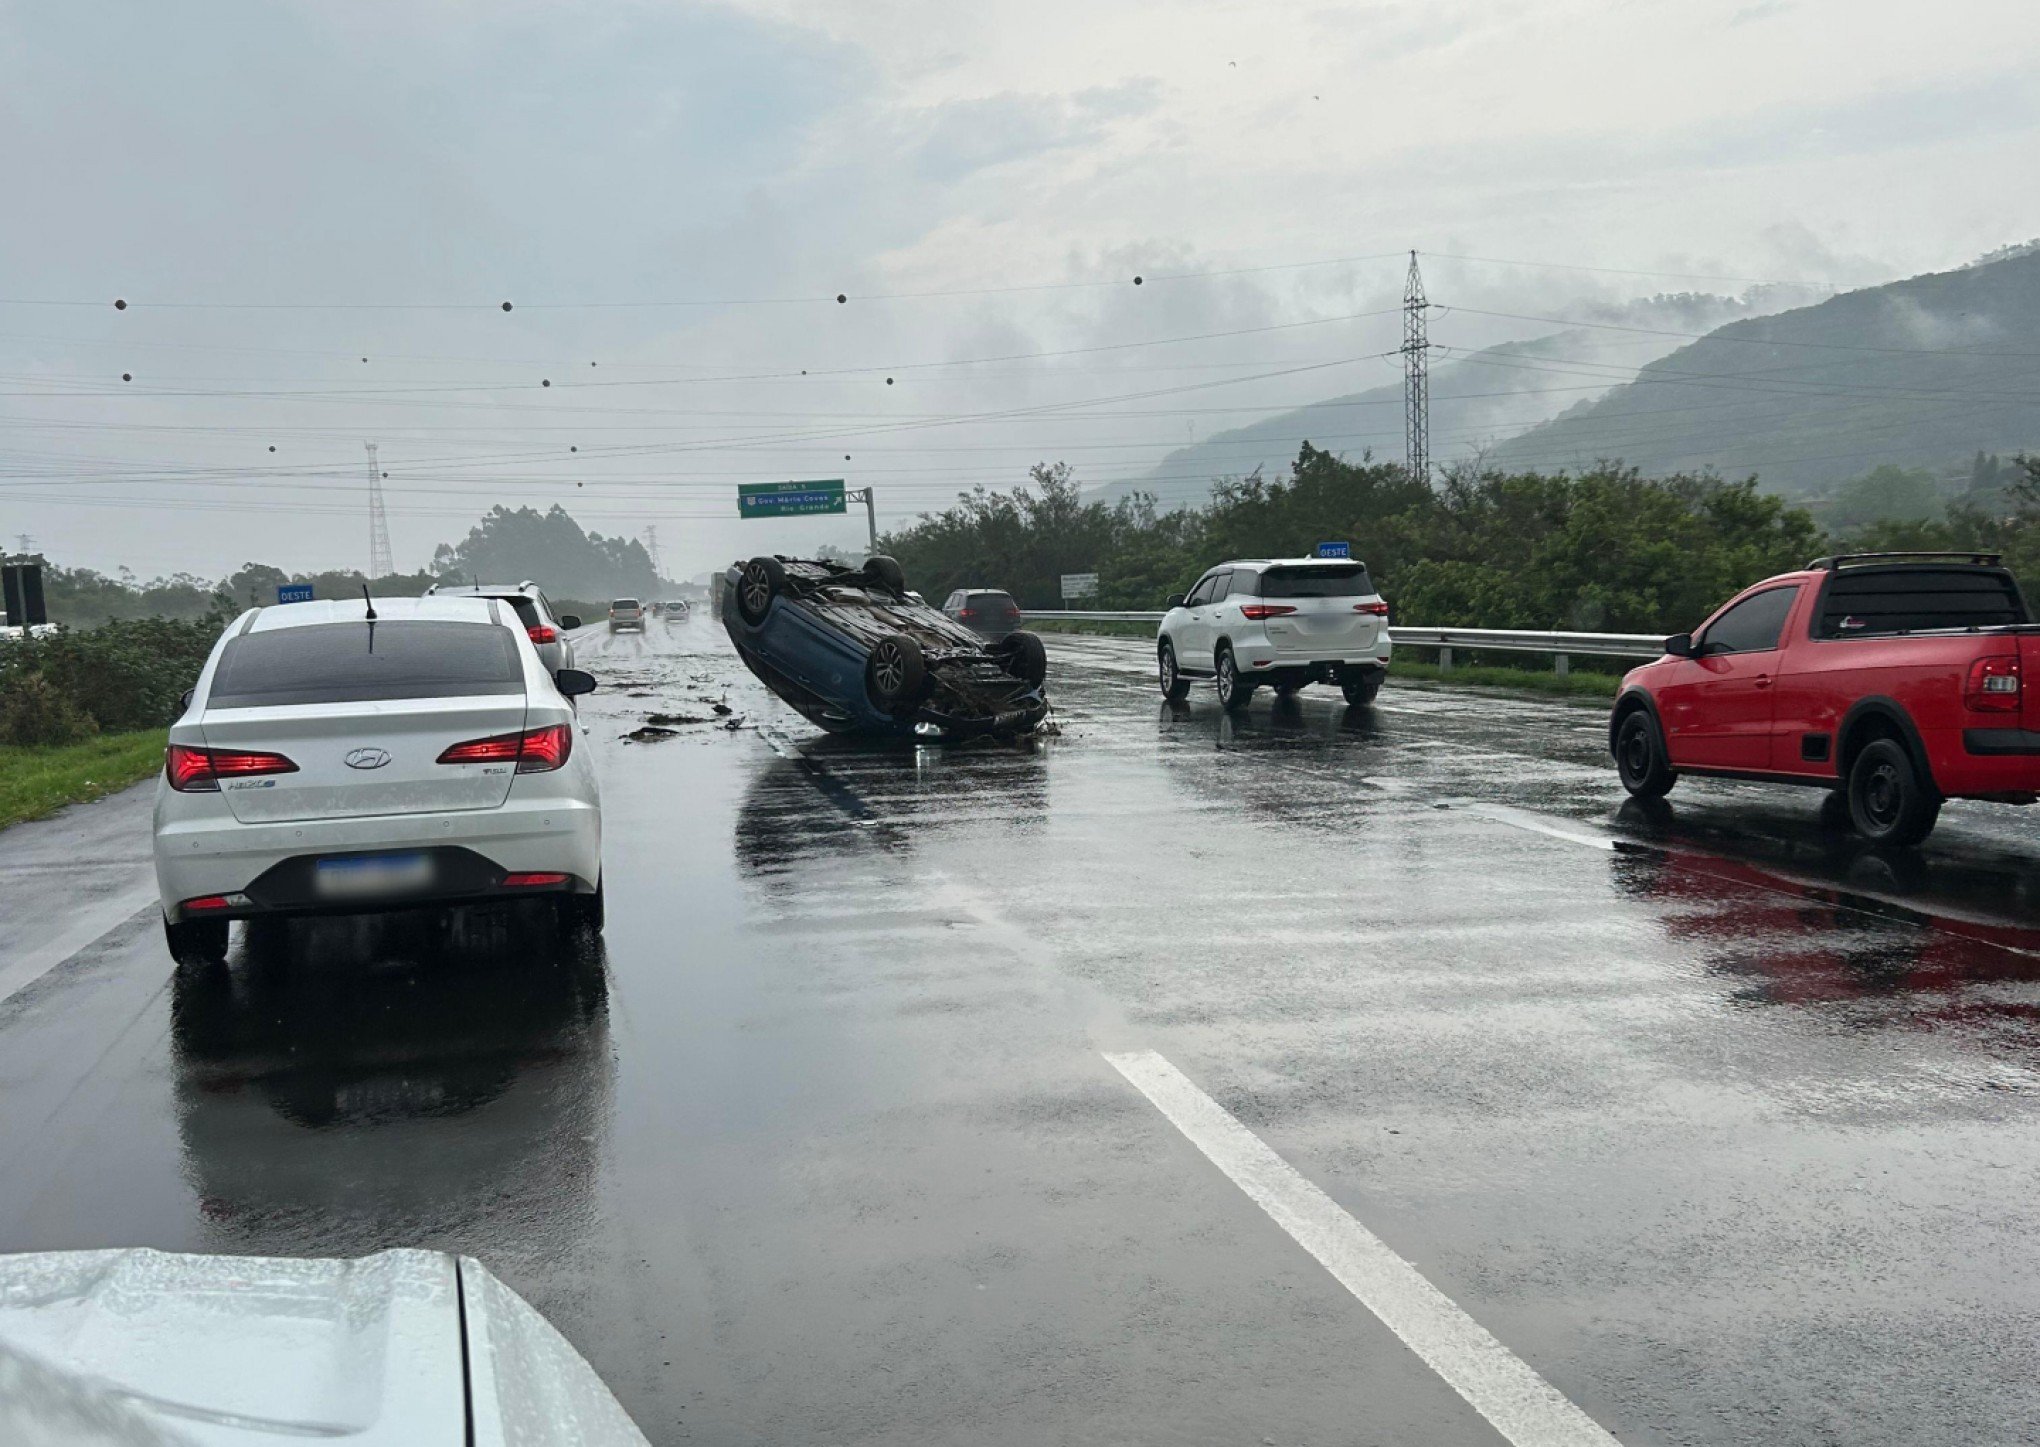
1377	608
535	751
1993	685
1258	611
199	771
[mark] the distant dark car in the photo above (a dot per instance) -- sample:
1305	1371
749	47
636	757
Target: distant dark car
988	611
855	653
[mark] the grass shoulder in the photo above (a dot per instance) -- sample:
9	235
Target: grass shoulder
35	782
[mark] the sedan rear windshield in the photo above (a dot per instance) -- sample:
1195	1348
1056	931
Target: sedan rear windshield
1346	580
353	662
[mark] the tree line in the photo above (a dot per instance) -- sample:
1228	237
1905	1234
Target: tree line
1606	549
508	545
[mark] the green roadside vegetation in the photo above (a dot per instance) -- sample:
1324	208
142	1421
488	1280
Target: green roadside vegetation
35	782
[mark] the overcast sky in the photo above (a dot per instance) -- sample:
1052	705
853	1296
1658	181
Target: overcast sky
672	195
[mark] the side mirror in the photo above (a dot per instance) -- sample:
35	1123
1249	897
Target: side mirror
1680	645
573	683
1174	600
570	620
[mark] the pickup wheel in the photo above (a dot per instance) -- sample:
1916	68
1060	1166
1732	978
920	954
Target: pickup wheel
1175	687
1640	757
1889	803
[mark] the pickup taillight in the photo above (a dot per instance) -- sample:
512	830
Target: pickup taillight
1993	685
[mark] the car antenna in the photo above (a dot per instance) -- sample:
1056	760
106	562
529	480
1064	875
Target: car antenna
368	600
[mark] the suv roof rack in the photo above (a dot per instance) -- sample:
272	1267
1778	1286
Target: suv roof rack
1961	555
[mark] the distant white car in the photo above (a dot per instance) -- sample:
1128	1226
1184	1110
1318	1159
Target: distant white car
142	1348
626	613
1285	622
677	610
334	762
546	625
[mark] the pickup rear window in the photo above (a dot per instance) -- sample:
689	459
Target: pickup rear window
1347	580
353	662
1910	598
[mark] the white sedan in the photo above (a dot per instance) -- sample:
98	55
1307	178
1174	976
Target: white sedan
347	757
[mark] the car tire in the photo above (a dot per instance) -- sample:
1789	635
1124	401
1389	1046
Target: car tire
1234	692
763	579
889	573
1889	802
896	673
1175	687
1640	759
196	944
1024	656
1360	688
583	911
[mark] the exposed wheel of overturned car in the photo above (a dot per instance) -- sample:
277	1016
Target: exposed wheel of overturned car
1024	656
763	579
888	573
896	674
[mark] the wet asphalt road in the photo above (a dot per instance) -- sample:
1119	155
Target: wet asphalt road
1722	1123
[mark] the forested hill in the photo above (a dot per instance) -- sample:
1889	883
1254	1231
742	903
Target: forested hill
1477	397
1922	373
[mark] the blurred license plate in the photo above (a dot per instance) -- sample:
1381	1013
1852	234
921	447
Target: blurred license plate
372	874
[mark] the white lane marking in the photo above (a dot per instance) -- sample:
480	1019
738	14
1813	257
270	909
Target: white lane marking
103	921
1502	1387
1518	819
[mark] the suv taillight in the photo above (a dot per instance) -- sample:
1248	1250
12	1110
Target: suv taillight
535	751
1377	608
1258	611
199	771
540	633
1993	685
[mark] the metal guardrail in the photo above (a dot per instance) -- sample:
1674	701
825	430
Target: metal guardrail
1558	646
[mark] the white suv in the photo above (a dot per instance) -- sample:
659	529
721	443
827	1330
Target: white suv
342	758
1285	622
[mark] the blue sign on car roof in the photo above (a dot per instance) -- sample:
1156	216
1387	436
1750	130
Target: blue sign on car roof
1335	550
293	592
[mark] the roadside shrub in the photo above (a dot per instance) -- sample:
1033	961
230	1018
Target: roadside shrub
119	677
34	713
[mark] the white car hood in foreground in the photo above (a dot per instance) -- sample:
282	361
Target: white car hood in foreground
143	1348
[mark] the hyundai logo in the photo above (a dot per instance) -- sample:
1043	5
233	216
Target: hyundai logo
367	758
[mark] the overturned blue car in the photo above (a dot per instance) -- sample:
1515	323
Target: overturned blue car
855	652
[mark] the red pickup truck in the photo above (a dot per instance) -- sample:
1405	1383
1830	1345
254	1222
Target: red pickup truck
1896	677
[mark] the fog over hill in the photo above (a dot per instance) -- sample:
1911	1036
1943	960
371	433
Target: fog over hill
1478	397
1923	372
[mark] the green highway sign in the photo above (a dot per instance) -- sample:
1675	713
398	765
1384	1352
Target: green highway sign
789	499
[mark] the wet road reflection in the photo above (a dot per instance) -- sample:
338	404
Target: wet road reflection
460	1078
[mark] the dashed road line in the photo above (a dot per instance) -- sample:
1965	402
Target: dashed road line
1521	1405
